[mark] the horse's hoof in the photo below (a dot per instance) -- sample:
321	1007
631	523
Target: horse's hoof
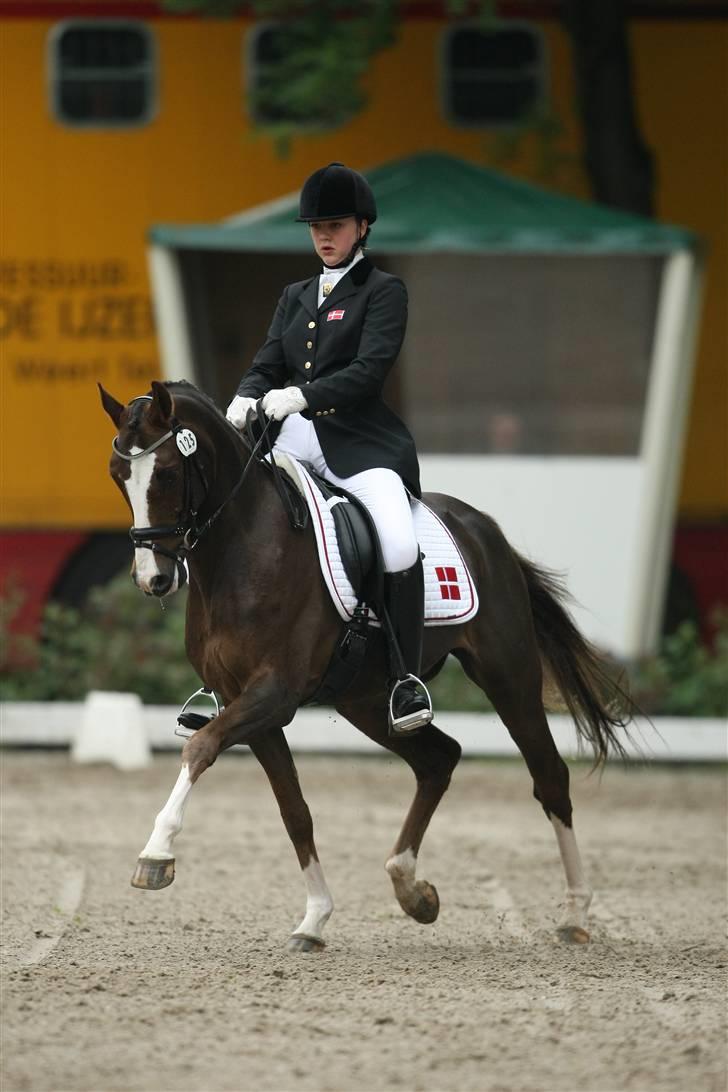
427	906
301	942
153	875
573	934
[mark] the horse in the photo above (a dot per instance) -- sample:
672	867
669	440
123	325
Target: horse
261	629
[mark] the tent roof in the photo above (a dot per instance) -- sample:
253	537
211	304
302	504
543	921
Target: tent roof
436	203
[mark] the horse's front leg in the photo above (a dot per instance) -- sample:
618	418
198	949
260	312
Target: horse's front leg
433	756
155	867
273	753
253	711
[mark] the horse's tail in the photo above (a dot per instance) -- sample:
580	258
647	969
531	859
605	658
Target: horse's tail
597	702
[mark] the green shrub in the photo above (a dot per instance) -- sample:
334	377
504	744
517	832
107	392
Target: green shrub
121	640
452	689
687	679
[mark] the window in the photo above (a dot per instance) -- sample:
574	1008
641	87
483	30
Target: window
281	59
492	77
268	47
102	74
528	354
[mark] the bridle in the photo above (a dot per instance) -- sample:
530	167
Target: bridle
187	528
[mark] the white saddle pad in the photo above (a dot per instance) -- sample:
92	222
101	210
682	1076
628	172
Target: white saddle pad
450	595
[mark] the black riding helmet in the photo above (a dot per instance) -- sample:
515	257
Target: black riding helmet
336	191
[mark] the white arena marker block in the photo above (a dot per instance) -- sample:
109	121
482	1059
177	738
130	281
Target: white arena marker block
111	729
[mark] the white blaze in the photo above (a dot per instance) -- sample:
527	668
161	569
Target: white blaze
137	490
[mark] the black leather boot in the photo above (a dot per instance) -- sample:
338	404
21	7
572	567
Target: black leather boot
409	708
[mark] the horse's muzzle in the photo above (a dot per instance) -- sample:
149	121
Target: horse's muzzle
160	585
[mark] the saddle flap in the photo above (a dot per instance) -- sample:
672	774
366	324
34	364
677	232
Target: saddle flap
356	535
355	541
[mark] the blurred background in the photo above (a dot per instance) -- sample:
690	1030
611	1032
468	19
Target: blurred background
552	183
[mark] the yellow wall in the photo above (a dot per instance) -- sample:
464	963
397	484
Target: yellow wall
682	84
73	197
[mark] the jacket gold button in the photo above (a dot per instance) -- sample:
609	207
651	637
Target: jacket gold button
318	412
307	364
309	345
326	413
311	325
332	411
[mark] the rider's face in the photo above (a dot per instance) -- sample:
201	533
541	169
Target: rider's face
333	239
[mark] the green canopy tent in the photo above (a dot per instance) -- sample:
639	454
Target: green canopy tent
545	369
433	203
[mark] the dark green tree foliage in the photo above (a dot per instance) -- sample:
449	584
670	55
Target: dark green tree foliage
314	78
325	48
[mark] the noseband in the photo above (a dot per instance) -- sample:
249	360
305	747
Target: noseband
187	528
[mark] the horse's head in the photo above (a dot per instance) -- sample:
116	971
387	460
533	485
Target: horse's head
158	468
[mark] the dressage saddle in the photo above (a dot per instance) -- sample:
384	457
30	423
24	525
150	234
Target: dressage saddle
356	532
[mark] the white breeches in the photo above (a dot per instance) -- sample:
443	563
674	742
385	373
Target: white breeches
380	491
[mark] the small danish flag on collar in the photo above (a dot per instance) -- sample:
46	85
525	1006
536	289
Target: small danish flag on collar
334	316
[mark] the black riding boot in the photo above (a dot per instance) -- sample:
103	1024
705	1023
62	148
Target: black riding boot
404	592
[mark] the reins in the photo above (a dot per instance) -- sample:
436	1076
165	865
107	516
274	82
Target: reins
187	526
297	516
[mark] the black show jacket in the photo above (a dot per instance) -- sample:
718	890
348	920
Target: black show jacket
339	354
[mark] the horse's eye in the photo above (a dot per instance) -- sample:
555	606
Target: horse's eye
167	475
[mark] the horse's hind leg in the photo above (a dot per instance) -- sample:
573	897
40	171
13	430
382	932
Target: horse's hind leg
272	751
517	700
573	926
433	756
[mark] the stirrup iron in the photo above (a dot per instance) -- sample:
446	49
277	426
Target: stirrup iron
189	723
410	723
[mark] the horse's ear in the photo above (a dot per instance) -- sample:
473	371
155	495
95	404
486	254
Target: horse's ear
112	407
162	402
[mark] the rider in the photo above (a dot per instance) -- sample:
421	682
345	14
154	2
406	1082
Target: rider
331	344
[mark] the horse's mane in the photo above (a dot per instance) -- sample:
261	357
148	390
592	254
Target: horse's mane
184	387
189	390
138	406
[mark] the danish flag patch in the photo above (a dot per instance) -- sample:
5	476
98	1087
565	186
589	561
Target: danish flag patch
334	316
448	580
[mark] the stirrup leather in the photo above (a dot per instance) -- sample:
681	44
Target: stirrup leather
410	722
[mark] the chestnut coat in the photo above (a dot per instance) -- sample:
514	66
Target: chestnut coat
339	354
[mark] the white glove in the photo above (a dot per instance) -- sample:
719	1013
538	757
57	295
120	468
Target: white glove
278	404
237	411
